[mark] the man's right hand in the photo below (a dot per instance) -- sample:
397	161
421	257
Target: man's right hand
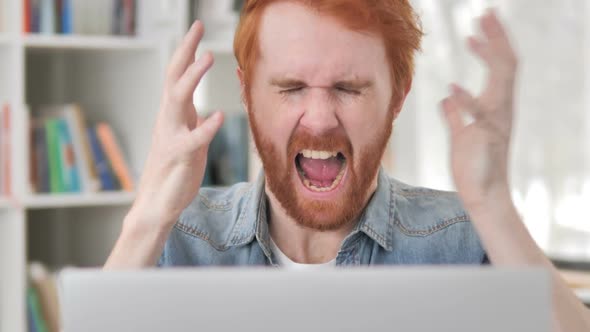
176	161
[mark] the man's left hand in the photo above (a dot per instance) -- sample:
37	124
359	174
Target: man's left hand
479	150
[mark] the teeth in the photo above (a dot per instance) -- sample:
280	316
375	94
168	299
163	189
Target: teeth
334	184
313	154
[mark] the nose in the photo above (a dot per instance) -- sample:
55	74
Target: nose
319	115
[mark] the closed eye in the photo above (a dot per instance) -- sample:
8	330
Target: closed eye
348	90
291	90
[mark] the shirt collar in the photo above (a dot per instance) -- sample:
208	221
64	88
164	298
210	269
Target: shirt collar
376	221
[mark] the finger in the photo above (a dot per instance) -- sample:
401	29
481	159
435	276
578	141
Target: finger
452	116
200	120
185	53
492	27
204	134
481	49
186	85
497	36
464	100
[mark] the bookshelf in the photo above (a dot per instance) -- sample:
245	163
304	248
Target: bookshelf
115	79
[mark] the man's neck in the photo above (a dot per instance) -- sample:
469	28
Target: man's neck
301	244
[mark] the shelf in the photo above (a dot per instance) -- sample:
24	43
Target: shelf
42	201
78	42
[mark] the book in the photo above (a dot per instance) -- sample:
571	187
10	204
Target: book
40	162
129	17
68	158
44	283
117	21
36	311
30	318
104	172
57	6
114	155
35	16
47	16
73	115
56	181
26	16
67	21
65	159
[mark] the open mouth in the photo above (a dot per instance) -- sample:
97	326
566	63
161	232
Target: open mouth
320	171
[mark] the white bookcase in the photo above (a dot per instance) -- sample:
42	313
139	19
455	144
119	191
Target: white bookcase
114	79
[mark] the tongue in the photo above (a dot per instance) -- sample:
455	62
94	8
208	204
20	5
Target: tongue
321	173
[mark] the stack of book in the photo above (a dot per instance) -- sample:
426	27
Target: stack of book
5	147
102	17
69	157
42	300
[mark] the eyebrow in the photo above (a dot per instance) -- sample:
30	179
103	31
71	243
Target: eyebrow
351	84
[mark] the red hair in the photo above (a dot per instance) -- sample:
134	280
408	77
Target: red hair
393	20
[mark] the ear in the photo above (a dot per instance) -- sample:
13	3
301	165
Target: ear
400	103
240	74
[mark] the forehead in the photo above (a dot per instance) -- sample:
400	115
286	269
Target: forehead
296	40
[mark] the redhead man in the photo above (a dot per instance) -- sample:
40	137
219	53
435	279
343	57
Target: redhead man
322	83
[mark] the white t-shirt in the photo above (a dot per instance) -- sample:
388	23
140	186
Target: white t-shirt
286	263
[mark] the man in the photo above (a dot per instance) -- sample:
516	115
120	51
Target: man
322	82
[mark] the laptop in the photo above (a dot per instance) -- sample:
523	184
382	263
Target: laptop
417	299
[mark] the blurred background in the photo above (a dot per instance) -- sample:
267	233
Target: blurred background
80	88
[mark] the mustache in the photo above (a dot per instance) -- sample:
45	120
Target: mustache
333	140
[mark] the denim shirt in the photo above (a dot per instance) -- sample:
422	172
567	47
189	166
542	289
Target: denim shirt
401	224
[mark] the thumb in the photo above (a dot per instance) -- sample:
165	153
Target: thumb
206	130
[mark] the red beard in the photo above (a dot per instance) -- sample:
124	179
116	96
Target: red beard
322	215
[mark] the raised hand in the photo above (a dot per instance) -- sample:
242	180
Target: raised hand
176	162
479	150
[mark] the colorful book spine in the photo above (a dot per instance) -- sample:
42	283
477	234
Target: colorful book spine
102	165
116	23
68	158
44	282
30	318
57	7
56	182
115	156
36	16
33	300
40	165
26	16
77	124
67	20
129	17
47	16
